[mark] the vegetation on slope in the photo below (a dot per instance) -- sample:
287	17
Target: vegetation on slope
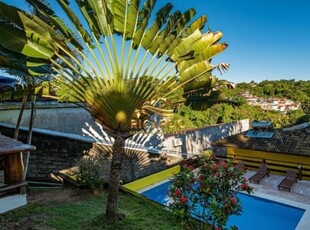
295	90
298	91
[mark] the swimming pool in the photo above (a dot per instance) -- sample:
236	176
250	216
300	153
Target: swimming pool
258	213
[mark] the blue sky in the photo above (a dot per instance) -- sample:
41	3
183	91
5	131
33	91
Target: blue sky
268	39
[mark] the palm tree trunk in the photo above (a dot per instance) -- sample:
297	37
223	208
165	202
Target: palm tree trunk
115	174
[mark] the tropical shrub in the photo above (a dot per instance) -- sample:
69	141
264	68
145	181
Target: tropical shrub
208	193
92	171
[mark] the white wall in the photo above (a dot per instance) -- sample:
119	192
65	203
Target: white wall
62	117
196	140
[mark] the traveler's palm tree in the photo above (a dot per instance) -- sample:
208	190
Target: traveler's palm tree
125	63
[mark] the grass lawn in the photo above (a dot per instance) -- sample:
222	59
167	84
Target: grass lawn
79	209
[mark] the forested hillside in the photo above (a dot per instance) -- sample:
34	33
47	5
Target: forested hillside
298	91
295	90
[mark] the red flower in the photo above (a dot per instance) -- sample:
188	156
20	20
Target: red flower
244	186
223	164
177	192
200	177
233	200
183	199
218	228
217	174
214	167
191	167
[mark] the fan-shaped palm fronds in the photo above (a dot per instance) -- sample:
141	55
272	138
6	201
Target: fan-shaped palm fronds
124	63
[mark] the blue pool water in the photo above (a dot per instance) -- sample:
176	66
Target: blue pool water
258	213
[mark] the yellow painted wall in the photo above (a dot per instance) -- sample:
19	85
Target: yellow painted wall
154	178
269	156
277	161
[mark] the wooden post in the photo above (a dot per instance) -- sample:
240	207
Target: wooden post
13	168
300	171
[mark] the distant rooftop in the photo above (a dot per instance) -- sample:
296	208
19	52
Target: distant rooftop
294	140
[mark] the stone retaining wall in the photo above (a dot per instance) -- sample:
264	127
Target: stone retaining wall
55	152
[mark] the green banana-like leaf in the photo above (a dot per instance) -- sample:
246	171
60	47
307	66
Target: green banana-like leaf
169	38
185	18
194	71
43	10
75	20
184	47
151	34
198	24
143	19
198	102
168	42
35	62
125	16
37	72
17	41
178	29
207	40
202	84
30	24
102	16
204	56
92	21
158	40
